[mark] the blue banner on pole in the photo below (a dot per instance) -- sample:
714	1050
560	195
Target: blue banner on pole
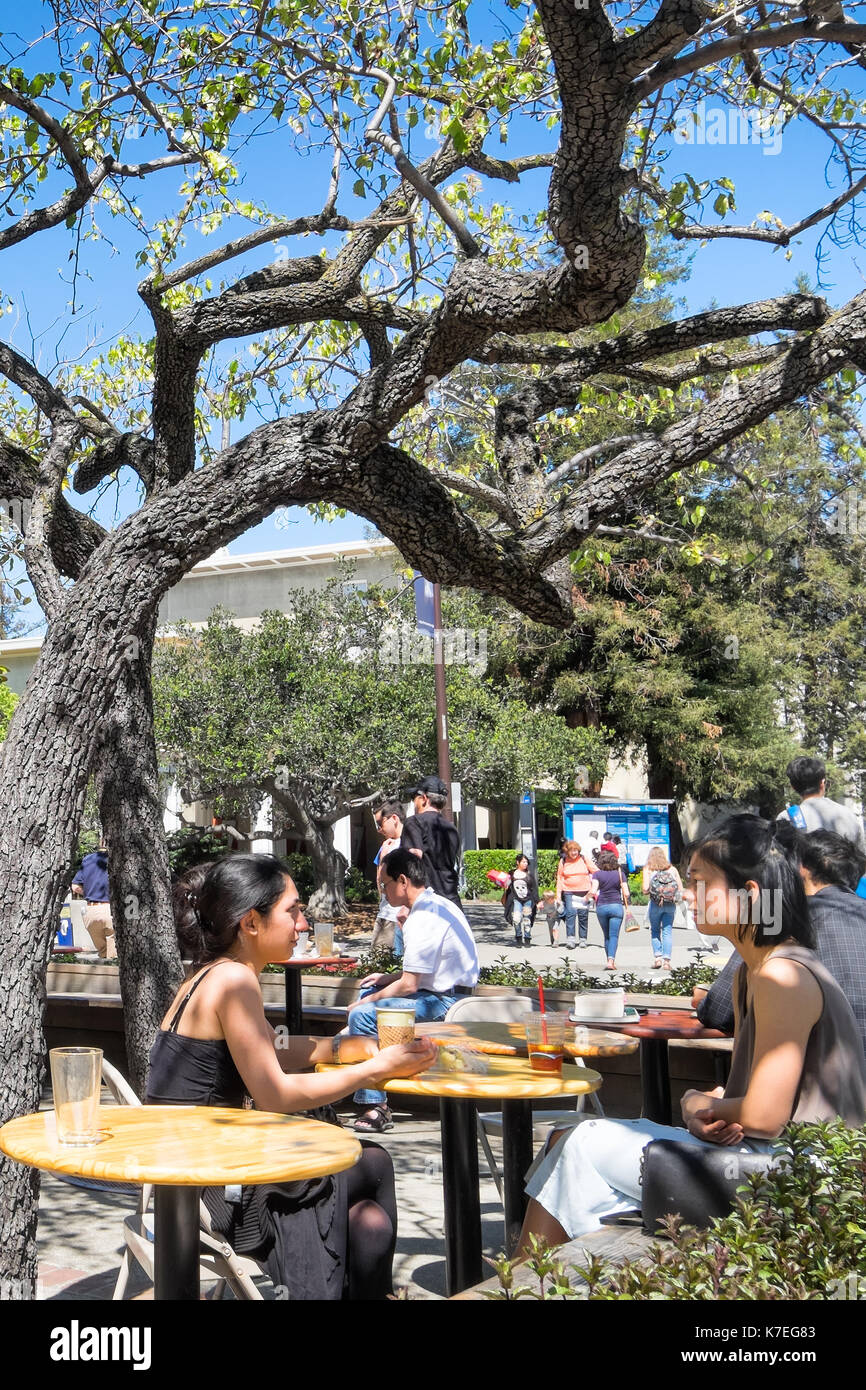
424	619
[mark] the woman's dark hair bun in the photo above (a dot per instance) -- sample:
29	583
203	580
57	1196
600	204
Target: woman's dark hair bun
209	901
185	896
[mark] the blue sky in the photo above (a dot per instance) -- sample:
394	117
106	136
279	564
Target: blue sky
790	183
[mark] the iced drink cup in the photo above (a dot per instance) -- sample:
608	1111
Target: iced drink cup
76	1078
324	934
396	1025
545	1038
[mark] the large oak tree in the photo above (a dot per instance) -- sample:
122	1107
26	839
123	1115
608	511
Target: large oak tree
353	341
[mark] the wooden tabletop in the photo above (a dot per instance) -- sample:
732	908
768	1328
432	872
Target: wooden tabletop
510	1038
186	1145
507	1078
668	1024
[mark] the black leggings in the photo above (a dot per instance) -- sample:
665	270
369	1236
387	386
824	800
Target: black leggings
372	1224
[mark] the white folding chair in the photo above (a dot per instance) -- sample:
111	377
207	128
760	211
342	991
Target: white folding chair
509	1008
217	1256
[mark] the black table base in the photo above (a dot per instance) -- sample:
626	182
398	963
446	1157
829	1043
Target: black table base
294	1005
463	1259
176	1244
516	1158
655	1080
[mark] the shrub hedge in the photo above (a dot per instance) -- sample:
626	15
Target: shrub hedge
476	863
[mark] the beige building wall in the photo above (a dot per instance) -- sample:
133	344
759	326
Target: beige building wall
250	584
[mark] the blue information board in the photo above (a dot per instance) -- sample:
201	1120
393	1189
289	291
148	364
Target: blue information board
639	824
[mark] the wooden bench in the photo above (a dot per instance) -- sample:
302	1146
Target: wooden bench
623	1241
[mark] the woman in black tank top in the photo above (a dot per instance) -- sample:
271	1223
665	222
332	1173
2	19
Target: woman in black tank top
330	1238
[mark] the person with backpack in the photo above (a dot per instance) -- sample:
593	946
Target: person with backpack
665	888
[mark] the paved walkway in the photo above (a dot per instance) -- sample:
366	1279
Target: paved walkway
495	939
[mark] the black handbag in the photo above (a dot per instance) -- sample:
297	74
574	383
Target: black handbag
696	1183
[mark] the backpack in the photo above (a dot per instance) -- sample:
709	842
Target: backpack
663	888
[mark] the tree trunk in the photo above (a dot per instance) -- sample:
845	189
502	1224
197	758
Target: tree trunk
328	898
44	765
131	810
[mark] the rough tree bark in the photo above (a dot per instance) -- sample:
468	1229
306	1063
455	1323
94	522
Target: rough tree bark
131	810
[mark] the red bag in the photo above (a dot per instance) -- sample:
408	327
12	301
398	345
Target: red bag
496	876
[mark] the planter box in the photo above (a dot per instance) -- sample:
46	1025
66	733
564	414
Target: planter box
563	999
316	990
75	978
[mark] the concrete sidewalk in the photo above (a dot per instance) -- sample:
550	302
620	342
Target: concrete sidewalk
495	939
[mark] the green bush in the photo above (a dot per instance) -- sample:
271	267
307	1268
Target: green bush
635	891
359	889
796	1233
194	844
301	867
88	841
476	863
524	974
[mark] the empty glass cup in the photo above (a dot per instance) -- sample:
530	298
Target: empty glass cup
76	1080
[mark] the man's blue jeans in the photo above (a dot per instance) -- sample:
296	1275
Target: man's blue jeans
429	1007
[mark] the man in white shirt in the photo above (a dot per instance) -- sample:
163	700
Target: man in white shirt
816	811
440	963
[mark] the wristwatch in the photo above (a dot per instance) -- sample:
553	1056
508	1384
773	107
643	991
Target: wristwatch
335	1048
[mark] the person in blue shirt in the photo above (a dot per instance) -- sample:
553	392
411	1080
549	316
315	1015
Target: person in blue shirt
91	883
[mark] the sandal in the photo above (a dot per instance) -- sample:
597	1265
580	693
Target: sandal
610	966
666	965
657	963
375	1121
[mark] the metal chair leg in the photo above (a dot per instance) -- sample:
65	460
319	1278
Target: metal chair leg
489	1159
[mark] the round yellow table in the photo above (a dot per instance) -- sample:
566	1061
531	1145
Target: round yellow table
511	1081
180	1149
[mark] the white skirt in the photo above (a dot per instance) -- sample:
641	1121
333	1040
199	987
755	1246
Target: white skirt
594	1170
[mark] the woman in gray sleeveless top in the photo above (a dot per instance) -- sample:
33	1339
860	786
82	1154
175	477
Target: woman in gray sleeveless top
797	1053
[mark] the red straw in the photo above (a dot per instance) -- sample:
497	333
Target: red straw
543	1010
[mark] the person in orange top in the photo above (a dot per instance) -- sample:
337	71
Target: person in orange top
573	878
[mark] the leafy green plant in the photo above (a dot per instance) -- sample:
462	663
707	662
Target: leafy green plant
524	974
359	889
194	845
796	1232
88	841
